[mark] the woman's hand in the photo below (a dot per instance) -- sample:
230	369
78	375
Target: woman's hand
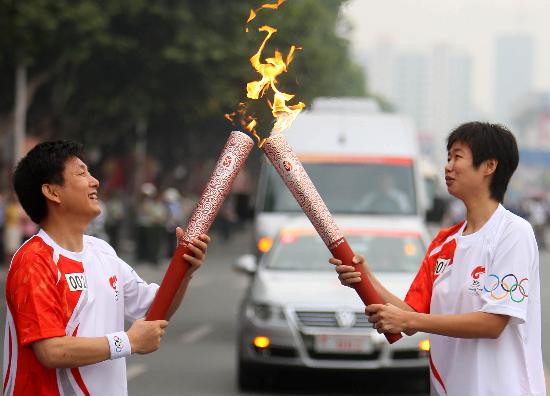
347	273
387	318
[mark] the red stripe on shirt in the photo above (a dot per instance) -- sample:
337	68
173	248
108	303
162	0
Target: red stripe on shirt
78	378
76	372
436	374
419	295
9	361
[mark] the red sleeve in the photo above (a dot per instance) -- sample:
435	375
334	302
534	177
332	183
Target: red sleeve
34	299
419	295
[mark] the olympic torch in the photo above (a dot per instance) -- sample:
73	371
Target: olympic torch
292	172
287	164
229	163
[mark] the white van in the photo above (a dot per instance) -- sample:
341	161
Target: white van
362	161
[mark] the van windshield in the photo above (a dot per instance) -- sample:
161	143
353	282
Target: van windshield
355	188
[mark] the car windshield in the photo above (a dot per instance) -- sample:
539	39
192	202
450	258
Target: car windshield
384	252
355	188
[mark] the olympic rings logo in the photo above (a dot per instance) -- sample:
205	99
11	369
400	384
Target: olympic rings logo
507	286
118	343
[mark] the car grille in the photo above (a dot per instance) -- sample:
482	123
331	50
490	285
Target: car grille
328	319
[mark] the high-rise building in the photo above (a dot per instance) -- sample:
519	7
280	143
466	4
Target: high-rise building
433	88
514	65
450	92
379	65
410	87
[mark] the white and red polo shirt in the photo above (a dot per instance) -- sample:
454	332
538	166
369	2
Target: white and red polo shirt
52	292
495	270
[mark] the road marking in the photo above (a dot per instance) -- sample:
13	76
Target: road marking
196	334
135	370
547	377
201	281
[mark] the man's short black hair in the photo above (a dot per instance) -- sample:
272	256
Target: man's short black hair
45	163
490	141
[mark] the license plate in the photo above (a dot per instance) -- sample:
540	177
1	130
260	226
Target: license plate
343	344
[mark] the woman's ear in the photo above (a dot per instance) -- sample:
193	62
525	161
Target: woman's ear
490	166
51	193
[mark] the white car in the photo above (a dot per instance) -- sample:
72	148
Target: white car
296	314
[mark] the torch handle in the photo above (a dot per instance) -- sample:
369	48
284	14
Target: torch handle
170	283
365	288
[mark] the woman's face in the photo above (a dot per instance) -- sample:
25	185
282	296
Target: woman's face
462	178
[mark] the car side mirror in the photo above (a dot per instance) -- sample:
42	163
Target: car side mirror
247	263
437	211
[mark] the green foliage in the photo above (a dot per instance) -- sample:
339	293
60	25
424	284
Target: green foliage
177	65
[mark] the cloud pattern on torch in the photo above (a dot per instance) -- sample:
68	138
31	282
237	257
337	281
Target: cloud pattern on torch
230	161
302	188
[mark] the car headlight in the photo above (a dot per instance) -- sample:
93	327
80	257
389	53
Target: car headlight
266	312
264	244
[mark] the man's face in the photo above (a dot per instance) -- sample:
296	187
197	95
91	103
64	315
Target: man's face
78	194
462	178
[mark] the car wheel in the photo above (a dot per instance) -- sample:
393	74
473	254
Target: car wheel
249	377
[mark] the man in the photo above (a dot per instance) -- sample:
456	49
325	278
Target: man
388	198
478	290
68	293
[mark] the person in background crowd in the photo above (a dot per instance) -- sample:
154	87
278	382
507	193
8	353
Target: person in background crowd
174	210
242	189
114	207
12	227
537	216
151	219
2	222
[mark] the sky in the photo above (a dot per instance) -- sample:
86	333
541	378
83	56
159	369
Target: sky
468	25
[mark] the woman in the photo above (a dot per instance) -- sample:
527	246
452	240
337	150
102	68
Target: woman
477	291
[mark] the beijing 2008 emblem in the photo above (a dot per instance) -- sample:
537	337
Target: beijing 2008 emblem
287	165
227	161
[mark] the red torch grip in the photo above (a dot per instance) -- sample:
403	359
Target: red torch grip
170	283
364	289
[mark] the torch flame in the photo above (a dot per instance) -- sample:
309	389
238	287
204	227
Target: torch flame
273	67
270	70
247	121
271	6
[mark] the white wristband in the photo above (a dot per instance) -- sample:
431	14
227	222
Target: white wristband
119	345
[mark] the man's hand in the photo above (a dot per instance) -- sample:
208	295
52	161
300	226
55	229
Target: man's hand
145	336
388	318
198	246
346	273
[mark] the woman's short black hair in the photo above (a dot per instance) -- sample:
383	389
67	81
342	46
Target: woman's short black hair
45	163
490	141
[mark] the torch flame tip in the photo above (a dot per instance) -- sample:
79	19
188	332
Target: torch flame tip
269	71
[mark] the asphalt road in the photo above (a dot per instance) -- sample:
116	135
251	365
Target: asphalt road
198	353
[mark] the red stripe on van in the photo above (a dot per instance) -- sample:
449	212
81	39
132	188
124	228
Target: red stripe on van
355	159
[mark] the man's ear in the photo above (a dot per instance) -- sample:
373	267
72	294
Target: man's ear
490	166
51	193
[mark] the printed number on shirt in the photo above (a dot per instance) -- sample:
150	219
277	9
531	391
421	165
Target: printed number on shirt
76	281
441	265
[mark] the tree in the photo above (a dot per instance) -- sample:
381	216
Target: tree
98	69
